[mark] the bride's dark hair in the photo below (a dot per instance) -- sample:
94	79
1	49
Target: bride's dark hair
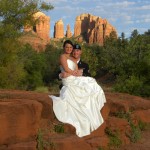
67	42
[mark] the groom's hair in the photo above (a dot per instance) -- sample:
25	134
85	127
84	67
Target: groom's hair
77	46
67	42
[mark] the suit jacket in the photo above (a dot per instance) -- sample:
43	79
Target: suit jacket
85	67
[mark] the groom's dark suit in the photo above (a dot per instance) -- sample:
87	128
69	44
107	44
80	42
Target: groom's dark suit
85	67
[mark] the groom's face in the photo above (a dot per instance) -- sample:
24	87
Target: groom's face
76	53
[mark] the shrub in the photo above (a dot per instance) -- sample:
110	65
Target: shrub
132	85
114	139
59	128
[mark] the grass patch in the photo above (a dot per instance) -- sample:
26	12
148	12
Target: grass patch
59	128
4	96
54	87
136	130
42	89
100	148
124	115
42	144
143	126
135	134
114	139
40	140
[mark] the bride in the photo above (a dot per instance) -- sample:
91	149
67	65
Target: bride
81	98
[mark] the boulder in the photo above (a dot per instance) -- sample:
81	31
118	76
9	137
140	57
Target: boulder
19	120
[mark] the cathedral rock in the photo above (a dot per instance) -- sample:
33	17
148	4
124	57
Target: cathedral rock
68	32
38	35
94	29
59	29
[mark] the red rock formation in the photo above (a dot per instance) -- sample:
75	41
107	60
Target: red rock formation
37	36
22	146
22	113
94	29
42	28
19	120
59	29
37	43
68	32
77	26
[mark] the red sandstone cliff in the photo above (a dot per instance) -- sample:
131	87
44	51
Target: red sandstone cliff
59	29
42	28
94	29
38	35
68	32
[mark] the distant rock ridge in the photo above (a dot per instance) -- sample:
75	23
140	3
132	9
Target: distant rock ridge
93	28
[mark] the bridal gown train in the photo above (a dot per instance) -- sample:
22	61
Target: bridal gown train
79	103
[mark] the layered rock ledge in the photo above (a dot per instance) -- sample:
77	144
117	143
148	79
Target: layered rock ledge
27	122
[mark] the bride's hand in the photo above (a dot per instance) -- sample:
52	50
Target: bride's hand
75	73
80	72
64	75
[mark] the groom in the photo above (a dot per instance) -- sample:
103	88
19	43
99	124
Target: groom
76	53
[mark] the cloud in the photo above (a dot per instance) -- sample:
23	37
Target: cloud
55	1
64	8
123	4
112	4
143	19
147	20
65	17
144	7
112	19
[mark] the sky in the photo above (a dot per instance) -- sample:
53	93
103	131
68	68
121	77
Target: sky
124	15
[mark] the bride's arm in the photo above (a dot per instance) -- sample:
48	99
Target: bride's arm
63	62
64	75
79	71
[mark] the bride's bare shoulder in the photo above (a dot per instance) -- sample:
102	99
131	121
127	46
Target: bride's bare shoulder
73	59
62	58
62	55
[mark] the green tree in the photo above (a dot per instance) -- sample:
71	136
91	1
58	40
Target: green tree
14	15
147	32
11	69
89	55
134	33
20	12
136	71
52	55
34	67
129	61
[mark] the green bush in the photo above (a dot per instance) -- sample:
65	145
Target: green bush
131	85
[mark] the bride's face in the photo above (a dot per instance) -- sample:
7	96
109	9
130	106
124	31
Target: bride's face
68	48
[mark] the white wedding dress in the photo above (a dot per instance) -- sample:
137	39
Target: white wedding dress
79	103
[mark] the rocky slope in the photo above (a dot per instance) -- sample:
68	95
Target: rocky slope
27	122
